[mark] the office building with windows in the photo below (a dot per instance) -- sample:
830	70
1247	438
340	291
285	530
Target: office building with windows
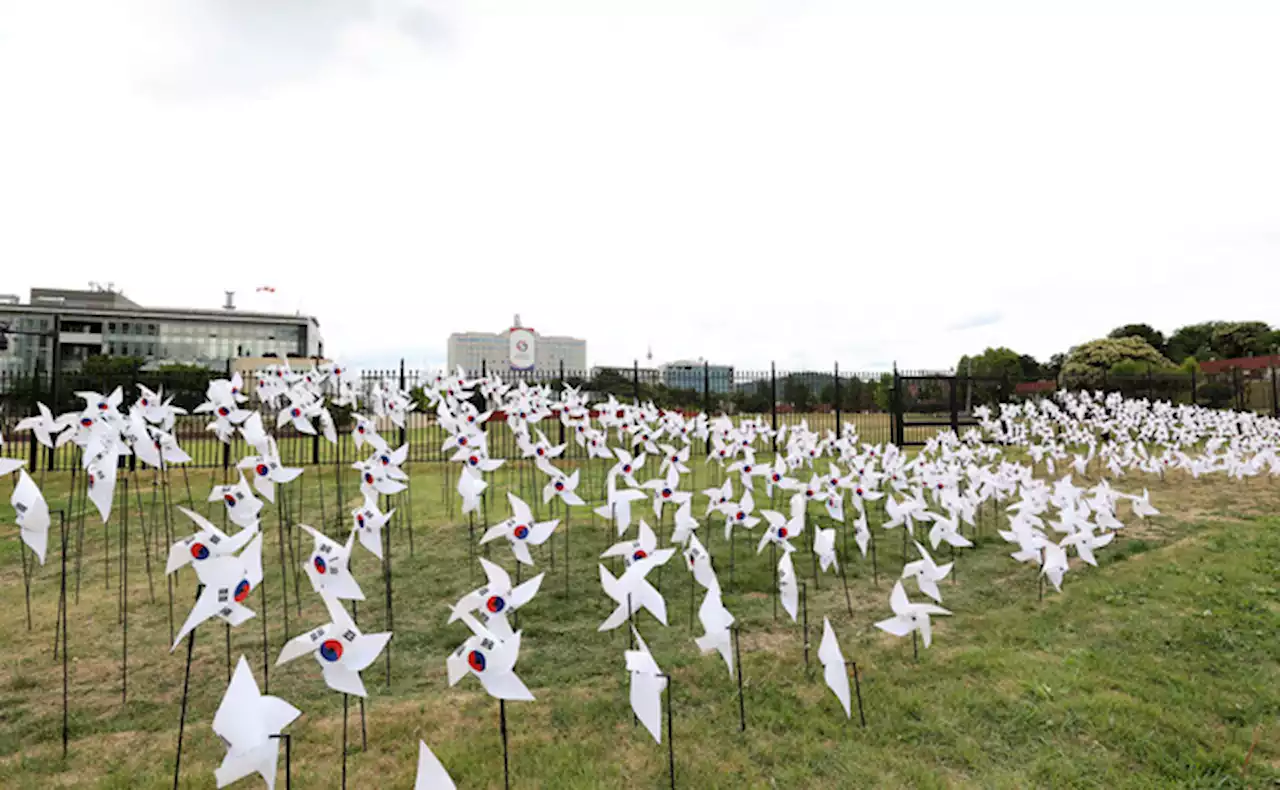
493	351
67	327
687	374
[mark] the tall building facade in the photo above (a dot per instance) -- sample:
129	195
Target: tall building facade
689	374
70	326
494	351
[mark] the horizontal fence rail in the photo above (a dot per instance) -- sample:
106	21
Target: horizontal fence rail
899	406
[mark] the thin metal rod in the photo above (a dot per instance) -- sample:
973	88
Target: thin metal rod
737	660
186	686
857	686
502	724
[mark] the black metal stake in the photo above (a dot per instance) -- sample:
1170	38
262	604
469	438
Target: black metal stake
502	724
857	685
288	759
186	686
345	706
844	580
66	729
124	596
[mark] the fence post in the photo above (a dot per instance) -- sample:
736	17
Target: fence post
706	400
1151	392
1195	400
1235	379
837	400
562	399
635	379
954	406
773	402
403	430
35	399
1275	398
226	446
895	409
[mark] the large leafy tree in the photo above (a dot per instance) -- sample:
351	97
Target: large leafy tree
1089	361
1000	363
1145	331
1192	340
1242	339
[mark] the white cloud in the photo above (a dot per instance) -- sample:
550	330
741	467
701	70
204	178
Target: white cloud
742	181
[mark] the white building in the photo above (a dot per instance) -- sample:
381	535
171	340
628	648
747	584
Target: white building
493	352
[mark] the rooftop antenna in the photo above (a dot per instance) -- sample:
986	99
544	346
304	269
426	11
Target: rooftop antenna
649	355
230	304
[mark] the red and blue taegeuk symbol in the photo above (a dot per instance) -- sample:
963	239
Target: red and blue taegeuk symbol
331	650
521	532
639	554
229	499
495	604
319	564
360	520
476	660
102	406
295	412
782	532
199	551
242	590
223	411
262	470
86	422
368	478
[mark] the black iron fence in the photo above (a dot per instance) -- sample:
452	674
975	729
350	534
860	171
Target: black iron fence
903	407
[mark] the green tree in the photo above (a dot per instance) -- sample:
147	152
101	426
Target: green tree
882	392
796	392
1087	363
1153	336
999	363
1241	339
1192	340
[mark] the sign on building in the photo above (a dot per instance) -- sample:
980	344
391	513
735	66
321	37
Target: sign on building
523	350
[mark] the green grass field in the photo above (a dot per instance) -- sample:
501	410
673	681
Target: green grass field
1157	669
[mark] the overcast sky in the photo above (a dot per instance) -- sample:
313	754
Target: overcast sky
746	180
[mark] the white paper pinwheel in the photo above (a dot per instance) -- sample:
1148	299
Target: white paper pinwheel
632	591
908	617
945	530
228	581
374	480
927	573
718	498
209	543
666	491
42	426
824	545
627	466
560	485
495	601
470	486
245	721
685	524
788	587
833	670
341	650
699	562
366	432
739	514
617	504
242	506
520	530
1055	564
267	471
491	659
716	621
367	523
100	474
647	685
431	773
296	413
673	457
32	514
328	567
